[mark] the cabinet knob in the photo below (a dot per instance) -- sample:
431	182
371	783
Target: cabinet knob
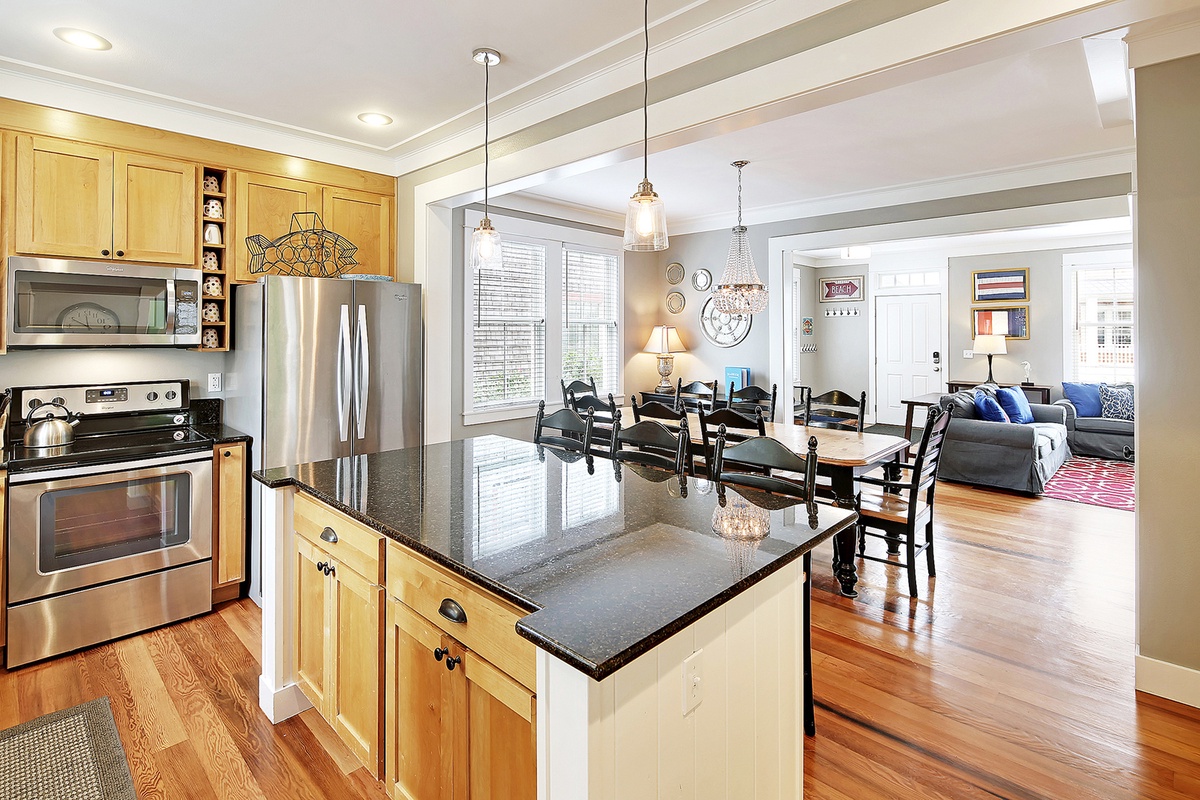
103	252
440	652
331	570
451	663
321	565
227	454
120	253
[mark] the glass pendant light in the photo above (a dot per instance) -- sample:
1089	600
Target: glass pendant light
740	291
486	250
646	219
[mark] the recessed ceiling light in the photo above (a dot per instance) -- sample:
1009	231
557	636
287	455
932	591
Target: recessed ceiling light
373	118
84	39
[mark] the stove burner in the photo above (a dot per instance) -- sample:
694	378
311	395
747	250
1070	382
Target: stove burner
107	448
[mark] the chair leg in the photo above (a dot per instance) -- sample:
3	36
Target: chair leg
810	719
911	546
929	548
862	538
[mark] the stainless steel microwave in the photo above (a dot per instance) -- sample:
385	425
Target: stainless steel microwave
59	303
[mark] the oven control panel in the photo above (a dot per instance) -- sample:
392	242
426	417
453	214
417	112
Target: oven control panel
128	398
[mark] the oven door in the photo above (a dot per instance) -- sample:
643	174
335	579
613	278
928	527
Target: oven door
81	526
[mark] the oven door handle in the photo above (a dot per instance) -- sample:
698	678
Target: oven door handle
343	375
46	475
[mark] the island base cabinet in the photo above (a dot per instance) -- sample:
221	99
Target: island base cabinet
461	732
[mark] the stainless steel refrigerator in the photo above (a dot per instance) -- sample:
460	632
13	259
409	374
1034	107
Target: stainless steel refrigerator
323	368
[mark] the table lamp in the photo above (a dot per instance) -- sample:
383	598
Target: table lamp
990	345
664	342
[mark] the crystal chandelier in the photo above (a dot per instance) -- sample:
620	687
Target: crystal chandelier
740	290
742	525
486	250
646	218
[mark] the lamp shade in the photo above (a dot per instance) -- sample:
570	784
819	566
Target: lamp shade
665	339
990	345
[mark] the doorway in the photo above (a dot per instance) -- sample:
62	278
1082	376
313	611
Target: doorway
910	351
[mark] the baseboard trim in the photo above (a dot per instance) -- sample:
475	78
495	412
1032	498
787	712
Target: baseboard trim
280	704
1164	679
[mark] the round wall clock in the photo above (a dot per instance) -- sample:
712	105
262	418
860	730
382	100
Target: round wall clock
701	280
674	273
723	330
88	316
675	302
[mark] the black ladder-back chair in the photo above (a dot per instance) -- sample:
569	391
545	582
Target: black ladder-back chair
800	395
580	388
671	417
564	428
603	414
652	443
898	506
836	409
695	396
738	427
752	397
762	455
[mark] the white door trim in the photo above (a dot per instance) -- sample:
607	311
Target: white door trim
942	289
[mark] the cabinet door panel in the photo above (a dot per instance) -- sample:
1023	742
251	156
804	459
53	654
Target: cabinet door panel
264	205
503	737
154	209
64	195
366	220
311	623
422	707
229	556
357	619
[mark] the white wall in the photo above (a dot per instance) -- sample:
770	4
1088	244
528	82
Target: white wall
109	365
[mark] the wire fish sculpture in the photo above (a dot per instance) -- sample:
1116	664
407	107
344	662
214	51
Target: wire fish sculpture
306	250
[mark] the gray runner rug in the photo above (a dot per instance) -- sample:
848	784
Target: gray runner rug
73	754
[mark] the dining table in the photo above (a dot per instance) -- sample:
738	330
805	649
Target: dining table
842	456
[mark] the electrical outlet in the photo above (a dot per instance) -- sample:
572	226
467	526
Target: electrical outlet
968	353
693	685
214	381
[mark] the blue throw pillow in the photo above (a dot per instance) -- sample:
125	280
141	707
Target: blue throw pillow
1116	402
1015	405
989	409
1085	397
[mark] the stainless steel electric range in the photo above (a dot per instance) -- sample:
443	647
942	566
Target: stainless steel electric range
109	533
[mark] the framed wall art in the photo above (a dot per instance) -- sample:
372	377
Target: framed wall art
1009	285
1011	322
846	289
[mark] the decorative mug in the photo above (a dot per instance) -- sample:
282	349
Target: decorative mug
212	286
212	233
210	312
210	261
213	209
210	338
211	183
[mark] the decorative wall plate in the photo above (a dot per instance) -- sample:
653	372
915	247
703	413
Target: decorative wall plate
701	280
723	330
675	302
674	273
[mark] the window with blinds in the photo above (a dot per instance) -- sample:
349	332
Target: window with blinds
509	331
509	496
1102	324
591	306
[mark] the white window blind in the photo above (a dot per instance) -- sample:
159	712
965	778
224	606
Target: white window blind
510	495
591	307
1102	324
509	332
583	501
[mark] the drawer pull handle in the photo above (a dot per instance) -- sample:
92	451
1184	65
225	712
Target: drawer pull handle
329	535
452	611
452	662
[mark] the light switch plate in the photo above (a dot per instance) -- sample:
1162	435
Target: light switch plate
693	685
968	353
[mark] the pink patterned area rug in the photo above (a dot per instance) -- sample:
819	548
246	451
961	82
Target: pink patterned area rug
1095	481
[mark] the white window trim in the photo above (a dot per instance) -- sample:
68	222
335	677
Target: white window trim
1071	263
554	237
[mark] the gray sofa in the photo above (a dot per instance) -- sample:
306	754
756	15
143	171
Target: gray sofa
1006	455
1097	436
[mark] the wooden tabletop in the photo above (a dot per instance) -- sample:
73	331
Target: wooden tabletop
834	447
929	399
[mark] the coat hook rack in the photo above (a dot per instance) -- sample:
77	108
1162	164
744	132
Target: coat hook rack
849	311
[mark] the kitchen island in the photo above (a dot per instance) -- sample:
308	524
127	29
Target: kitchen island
644	632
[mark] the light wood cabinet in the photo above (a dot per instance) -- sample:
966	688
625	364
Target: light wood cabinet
265	204
457	725
339	619
367	221
78	200
229	514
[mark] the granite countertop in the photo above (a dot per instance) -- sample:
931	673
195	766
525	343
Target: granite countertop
205	416
610	561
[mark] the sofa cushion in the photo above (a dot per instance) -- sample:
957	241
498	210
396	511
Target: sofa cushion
963	404
1116	402
989	408
1104	425
1085	397
1015	405
1053	433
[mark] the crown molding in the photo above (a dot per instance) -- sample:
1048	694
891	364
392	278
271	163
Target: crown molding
1164	39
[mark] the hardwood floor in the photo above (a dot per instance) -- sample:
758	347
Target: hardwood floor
1011	676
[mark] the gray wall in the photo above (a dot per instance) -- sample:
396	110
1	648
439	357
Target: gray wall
1168	366
842	360
109	365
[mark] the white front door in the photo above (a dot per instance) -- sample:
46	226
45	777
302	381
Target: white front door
909	352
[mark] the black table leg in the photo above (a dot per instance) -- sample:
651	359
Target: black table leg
844	543
810	719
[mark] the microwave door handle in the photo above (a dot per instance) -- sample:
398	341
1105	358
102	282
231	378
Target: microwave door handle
170	307
364	372
343	376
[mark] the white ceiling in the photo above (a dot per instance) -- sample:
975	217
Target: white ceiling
1036	109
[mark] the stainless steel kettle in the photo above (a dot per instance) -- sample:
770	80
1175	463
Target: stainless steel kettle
50	430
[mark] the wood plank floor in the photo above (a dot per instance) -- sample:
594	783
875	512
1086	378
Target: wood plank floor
1011	676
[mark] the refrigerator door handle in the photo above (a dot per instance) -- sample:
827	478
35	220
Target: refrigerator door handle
364	372
343	377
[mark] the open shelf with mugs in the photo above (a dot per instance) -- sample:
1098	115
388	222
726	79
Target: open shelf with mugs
215	306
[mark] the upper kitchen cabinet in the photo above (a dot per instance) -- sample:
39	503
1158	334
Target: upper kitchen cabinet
366	220
265	204
78	200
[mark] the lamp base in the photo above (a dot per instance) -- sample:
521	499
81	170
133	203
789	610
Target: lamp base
666	363
990	379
